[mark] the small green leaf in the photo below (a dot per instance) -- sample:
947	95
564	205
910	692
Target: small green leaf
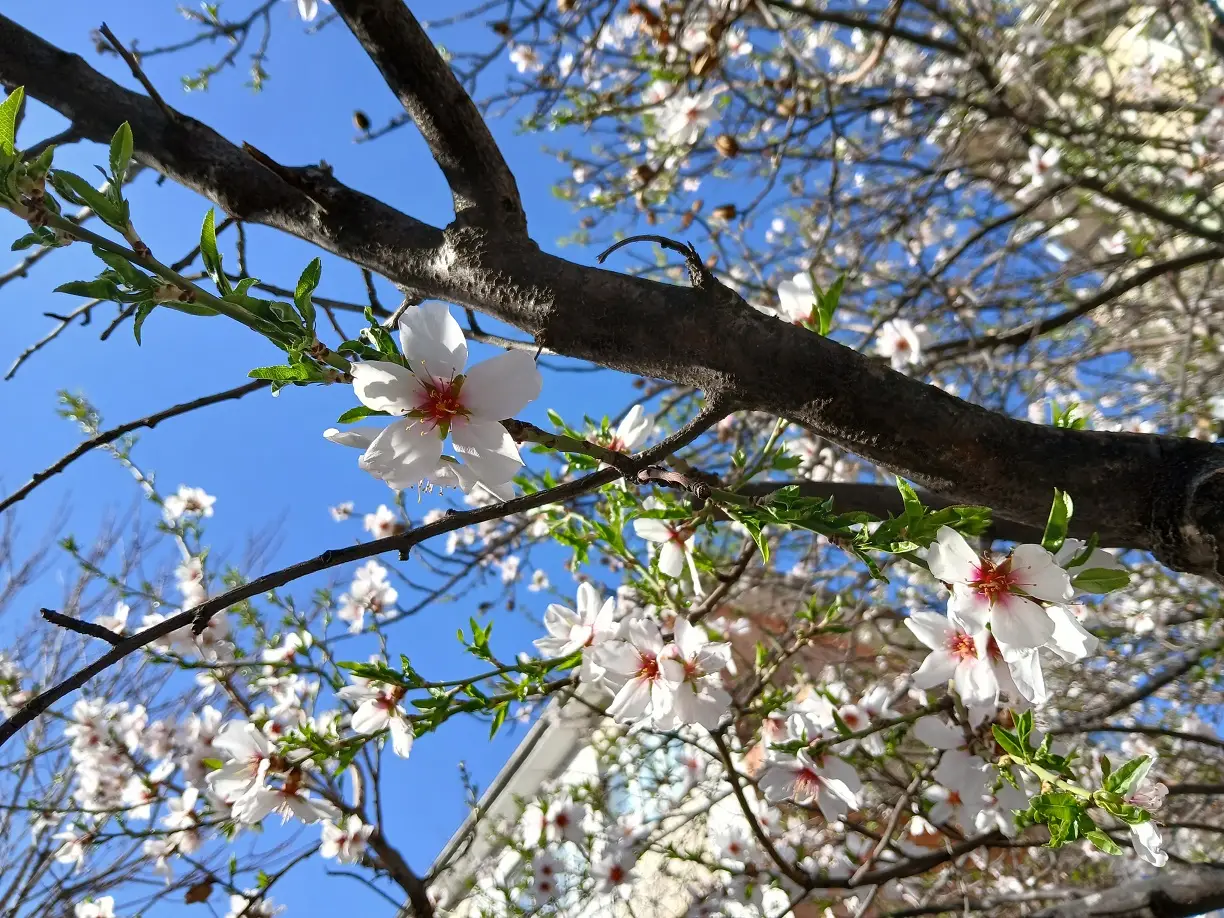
1009	742
1101	580
1024	728
142	313
1120	781
99	289
1056	525
826	304
209	253
358	413
1103	841
121	153
913	506
8	121
306	285
76	190
299	373
499	718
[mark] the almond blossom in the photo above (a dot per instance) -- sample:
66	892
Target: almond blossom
675	541
824	780
632	668
796	301
632	431
249	755
381	523
194	502
370	592
378	709
691	665
434	399
570	630
1002	593
901	342
346	840
956	654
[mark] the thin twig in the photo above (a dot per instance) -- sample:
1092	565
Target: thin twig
80	627
134	66
109	436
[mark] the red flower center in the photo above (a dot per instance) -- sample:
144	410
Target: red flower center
648	665
993	580
440	402
807	782
962	646
616	873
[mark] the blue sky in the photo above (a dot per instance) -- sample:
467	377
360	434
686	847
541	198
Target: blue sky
264	459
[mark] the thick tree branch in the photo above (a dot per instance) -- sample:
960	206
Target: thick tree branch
1160	493
481	183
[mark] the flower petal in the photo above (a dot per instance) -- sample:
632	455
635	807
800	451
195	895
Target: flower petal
1034	571
488	449
936	669
1019	622
931	628
403	454
432	341
384	386
360	437
951	559
502	386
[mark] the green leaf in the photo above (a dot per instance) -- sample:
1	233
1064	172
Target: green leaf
358	413
300	373
1103	841
1024	728
826	304
1101	580
130	275
142	313
209	254
1120	781
8	121
913	506
99	289
1056	525
499	718
76	190
121	153
1009	742
305	288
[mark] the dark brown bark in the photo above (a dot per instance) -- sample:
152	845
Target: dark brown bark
1164	494
1172	893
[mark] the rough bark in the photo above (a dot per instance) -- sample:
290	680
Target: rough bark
1160	493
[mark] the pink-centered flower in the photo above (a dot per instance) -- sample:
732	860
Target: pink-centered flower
956	654
632	668
824	780
434	398
1004	593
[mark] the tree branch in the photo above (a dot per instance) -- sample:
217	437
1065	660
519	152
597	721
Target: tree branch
1161	493
484	190
109	436
198	616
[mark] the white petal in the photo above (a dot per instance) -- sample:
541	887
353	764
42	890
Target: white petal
1070	640
370	717
384	386
1034	571
1020	622
937	734
1146	839
403	454
671	559
432	341
588	601
969	608
951	559
360	437
488	449
931	628
652	530
976	683
936	669
401	737
502	386
631	701
1025	667
308	9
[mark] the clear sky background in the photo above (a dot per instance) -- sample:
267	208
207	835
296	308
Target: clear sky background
264	459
